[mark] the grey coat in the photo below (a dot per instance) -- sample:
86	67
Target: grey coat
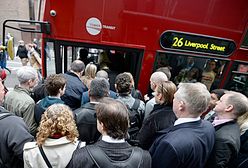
21	104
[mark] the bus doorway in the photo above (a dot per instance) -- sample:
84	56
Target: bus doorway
59	56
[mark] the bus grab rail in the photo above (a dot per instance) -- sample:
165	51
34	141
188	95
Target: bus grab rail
45	27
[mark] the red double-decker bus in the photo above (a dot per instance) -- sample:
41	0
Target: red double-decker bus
199	40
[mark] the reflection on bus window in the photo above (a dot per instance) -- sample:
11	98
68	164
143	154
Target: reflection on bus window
239	80
50	58
186	68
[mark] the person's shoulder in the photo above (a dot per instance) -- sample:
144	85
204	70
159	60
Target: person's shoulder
30	145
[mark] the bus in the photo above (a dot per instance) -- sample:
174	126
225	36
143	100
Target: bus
198	40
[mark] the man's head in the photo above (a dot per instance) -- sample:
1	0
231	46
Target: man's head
216	94
156	79
27	76
123	83
102	74
112	118
165	70
231	105
55	84
77	66
99	88
190	100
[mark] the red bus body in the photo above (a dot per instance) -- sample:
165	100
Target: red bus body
139	24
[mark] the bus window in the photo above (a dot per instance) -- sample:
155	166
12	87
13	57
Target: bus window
185	68
238	78
50	59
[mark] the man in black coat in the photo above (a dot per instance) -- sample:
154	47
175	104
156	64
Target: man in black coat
86	115
112	150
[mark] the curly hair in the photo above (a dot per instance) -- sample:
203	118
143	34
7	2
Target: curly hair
58	118
123	83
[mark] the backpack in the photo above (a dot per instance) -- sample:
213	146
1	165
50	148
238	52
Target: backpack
135	120
101	160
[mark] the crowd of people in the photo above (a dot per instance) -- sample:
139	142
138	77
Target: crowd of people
75	120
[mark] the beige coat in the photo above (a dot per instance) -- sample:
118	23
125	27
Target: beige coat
58	151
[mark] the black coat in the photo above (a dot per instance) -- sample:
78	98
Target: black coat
86	123
14	134
22	52
161	117
114	151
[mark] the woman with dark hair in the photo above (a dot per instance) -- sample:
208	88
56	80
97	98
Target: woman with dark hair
161	116
56	139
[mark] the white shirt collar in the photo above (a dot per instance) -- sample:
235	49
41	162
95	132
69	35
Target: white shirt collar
109	139
185	120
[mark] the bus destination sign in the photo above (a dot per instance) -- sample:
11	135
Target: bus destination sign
196	43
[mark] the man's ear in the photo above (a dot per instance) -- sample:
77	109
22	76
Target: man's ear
229	108
181	105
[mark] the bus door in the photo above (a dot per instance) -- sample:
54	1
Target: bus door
59	56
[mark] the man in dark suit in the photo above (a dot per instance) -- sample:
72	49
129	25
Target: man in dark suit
227	144
190	141
112	150
74	85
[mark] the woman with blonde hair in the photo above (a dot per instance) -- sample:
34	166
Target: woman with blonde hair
161	117
56	139
89	74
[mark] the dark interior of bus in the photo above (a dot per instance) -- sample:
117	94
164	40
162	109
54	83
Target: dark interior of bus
111	59
209	71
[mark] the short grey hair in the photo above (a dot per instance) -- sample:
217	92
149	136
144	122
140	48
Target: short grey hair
158	77
239	102
195	96
102	74
26	73
77	66
99	88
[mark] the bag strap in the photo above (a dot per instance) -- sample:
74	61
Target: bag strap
44	157
136	104
79	143
102	160
89	150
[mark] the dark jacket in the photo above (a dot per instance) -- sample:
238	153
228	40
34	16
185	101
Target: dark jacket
242	159
227	144
14	134
187	145
22	52
86	123
161	117
115	151
86	98
74	90
42	105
